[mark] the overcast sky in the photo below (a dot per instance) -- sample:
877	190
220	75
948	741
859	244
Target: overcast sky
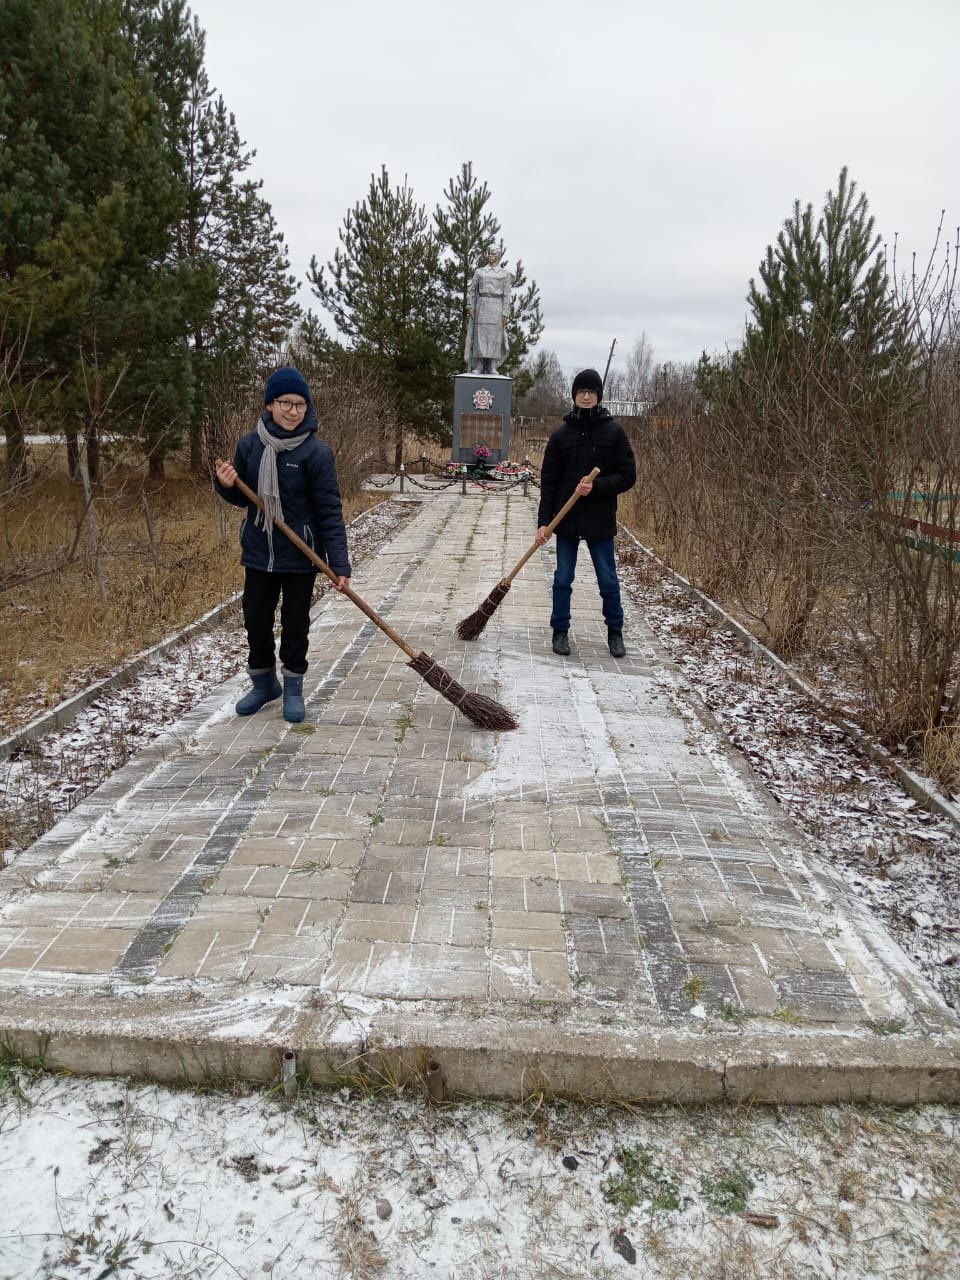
640	156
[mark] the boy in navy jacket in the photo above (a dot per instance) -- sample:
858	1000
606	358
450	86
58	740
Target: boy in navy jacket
294	474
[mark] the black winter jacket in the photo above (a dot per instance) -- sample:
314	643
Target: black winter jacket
588	438
309	496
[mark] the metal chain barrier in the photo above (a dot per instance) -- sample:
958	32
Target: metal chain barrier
489	482
501	486
431	487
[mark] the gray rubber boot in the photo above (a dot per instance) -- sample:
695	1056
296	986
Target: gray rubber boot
266	687
294	708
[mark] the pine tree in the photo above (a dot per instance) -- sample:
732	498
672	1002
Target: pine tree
809	405
824	288
56	229
466	231
141	326
85	226
826	343
226	233
525	327
382	288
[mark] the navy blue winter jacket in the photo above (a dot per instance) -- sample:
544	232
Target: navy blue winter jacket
309	496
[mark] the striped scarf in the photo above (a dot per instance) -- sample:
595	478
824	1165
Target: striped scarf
268	481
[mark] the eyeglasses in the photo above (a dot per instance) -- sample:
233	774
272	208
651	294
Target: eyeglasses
290	406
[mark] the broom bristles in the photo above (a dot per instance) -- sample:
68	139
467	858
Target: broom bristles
483	711
473	626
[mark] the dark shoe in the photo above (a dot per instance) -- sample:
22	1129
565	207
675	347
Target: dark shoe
266	687
561	643
615	644
294	708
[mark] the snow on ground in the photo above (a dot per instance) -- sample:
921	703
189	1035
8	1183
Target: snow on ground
103	1179
107	1178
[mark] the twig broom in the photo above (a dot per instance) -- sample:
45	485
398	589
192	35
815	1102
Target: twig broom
482	711
473	626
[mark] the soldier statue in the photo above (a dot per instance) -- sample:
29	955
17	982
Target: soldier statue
488	308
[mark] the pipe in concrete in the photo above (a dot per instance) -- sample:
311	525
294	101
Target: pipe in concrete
436	1085
289	1073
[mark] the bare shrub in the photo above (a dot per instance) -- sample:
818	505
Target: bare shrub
356	413
357	418
906	636
817	496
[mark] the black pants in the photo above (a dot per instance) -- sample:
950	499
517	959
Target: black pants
261	592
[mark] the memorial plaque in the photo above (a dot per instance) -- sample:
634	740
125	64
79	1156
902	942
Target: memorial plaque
481	416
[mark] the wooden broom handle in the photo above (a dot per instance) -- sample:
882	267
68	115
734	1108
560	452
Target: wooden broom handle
322	565
570	502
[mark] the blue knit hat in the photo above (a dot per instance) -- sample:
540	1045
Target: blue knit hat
286	382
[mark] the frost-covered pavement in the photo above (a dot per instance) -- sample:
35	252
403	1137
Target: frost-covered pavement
899	858
105	1178
604	901
45	779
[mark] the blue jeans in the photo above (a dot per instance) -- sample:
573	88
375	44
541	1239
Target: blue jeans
604	562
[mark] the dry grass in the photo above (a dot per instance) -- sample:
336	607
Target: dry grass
57	634
940	755
354	1242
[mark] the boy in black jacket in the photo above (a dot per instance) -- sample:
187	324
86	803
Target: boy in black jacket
294	474
588	438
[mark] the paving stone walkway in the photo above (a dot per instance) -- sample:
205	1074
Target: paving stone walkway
603	901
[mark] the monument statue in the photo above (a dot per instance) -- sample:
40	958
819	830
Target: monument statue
488	308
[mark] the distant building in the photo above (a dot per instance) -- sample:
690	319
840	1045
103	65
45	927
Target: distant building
628	408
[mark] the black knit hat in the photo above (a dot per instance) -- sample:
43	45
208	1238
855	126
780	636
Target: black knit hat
286	382
588	380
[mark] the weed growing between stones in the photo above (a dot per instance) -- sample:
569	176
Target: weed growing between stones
17	1074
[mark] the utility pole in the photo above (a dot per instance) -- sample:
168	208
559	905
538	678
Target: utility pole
609	358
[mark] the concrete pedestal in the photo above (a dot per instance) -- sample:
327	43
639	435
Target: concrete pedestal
481	415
